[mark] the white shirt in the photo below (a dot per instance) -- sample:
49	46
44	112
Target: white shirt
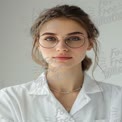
34	102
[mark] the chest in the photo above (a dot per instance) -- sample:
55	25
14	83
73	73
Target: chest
83	109
67	100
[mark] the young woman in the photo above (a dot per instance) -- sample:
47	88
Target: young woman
63	92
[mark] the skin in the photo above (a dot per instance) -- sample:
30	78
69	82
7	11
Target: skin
64	75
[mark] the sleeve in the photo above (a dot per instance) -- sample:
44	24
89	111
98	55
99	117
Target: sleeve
5	109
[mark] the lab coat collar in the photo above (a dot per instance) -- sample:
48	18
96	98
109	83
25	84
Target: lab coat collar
40	85
90	85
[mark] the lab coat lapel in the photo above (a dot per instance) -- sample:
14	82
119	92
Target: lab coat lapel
90	86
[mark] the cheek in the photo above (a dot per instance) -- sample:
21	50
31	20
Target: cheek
43	51
46	54
80	53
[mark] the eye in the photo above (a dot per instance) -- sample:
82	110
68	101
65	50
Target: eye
74	38
50	38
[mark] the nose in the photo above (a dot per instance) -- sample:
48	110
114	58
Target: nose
61	46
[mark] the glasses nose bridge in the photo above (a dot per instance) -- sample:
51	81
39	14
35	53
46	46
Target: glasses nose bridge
61	43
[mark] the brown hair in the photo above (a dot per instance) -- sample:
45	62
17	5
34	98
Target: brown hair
70	12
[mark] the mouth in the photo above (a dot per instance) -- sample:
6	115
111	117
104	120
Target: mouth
62	58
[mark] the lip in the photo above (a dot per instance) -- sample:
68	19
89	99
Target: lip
62	58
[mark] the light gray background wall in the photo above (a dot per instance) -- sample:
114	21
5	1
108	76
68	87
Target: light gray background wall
16	18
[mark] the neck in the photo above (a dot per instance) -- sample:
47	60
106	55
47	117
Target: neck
65	80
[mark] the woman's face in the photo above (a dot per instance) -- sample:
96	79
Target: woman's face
63	56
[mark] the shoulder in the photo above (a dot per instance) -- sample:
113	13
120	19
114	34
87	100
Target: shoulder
25	88
111	91
16	91
10	98
19	86
109	87
92	85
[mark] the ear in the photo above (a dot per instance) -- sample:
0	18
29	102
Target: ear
90	45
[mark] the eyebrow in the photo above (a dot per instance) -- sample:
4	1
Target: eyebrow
72	33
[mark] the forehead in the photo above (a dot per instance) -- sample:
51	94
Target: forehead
62	26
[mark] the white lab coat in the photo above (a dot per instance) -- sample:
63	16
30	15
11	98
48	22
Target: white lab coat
34	102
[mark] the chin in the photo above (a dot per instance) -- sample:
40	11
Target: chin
61	66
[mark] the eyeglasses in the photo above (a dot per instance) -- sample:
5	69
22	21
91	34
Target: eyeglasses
74	41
